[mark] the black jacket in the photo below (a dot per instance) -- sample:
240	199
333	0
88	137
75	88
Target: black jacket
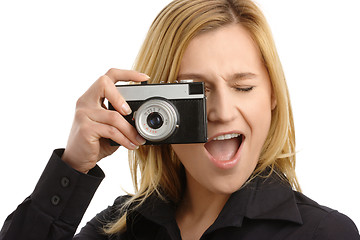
263	209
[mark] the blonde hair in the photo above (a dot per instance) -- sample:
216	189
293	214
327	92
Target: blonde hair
160	56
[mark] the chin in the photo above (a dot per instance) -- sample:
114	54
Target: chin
228	184
226	189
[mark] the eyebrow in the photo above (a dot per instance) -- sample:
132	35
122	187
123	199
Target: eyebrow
192	76
242	76
234	77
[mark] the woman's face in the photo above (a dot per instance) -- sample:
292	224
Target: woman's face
239	105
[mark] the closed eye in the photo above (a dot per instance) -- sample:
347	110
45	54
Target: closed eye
244	89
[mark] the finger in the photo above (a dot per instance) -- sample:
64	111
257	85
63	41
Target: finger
116	75
110	92
115	119
110	132
101	89
104	88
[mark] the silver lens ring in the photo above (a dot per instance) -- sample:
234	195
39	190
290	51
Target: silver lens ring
163	109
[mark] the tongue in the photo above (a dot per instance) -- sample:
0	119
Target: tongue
223	150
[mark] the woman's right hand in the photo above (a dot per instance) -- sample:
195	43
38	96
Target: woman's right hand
94	124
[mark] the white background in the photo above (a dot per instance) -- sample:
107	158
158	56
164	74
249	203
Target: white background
52	51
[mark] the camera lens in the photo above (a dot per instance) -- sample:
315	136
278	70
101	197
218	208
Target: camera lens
154	120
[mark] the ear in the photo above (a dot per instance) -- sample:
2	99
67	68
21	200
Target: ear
273	100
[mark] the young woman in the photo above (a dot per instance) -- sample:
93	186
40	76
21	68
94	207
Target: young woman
241	184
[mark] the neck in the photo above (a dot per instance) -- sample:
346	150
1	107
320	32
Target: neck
199	208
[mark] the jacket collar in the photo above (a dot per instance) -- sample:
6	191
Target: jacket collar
263	198
159	211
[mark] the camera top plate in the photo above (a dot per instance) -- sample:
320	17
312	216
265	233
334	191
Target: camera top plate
140	92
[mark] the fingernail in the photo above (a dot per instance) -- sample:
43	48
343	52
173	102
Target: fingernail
145	75
133	146
125	107
140	140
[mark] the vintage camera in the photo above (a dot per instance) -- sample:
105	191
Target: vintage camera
167	113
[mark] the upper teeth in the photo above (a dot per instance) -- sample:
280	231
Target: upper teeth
227	136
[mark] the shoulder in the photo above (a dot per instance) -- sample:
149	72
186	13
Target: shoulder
324	222
115	211
94	228
121	200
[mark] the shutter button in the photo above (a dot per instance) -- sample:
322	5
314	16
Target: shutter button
65	182
55	200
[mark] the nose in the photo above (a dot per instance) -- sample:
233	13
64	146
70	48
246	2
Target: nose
221	106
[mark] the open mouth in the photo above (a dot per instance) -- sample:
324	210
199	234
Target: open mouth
225	147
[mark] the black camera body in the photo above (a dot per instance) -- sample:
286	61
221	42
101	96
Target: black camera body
171	113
